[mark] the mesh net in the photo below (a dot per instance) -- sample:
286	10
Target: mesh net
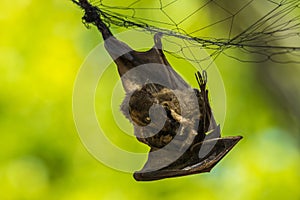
246	30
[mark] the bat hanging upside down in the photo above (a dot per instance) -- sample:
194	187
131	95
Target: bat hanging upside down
169	116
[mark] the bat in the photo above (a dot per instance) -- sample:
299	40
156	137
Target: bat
172	118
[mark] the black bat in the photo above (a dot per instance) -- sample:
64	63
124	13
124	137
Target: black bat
172	118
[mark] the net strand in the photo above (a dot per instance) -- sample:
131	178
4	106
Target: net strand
274	35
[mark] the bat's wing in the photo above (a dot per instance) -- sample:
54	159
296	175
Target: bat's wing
150	65
219	148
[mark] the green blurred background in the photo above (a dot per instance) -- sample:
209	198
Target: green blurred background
43	44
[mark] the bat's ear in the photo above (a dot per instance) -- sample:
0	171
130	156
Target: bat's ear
157	40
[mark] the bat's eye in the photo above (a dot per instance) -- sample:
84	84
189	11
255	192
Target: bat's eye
147	119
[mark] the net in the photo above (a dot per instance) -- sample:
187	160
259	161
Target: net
246	30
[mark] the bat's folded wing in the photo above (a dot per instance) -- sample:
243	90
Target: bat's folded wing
219	147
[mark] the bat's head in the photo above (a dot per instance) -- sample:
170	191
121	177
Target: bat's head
139	105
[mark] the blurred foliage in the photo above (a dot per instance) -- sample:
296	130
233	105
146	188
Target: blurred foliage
42	46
